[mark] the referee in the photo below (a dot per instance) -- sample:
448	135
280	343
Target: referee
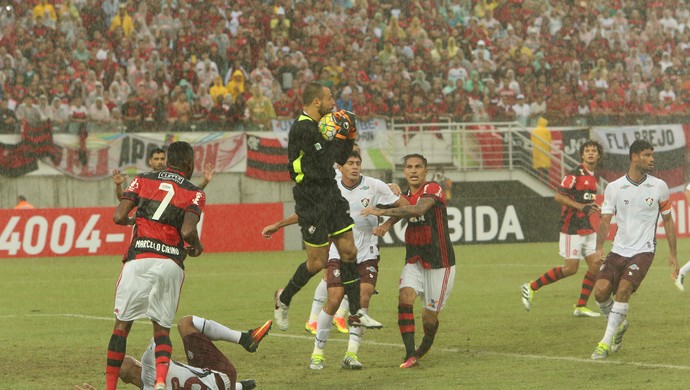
323	214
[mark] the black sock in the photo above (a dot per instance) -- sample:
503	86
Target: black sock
298	280
350	278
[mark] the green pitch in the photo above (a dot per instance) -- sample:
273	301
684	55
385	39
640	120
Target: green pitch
56	320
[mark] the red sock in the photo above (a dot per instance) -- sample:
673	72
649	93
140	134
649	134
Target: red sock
587	286
552	275
163	352
116	354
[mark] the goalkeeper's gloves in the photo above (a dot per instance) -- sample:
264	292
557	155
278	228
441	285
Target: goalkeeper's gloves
347	124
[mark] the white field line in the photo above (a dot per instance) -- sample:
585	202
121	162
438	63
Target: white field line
399	346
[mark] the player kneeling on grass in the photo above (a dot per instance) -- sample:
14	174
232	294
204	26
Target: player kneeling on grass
429	260
636	200
206	368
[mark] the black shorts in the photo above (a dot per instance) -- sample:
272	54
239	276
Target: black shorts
202	353
323	213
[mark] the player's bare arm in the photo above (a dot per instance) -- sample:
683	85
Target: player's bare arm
209	170
191	235
269	230
383	228
587	208
417	210
602	233
670	230
395	188
121	216
118	179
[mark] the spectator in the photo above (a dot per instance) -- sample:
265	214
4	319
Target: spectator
131	114
521	108
260	109
541	148
280	25
122	21
78	116
99	116
22	203
44	10
8	120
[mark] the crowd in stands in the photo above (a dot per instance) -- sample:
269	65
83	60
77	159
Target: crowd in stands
158	65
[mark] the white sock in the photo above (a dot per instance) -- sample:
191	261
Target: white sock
356	335
606	307
320	296
344	307
685	269
216	331
238	386
323	330
618	314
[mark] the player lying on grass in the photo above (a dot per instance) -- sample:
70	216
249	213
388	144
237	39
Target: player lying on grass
206	368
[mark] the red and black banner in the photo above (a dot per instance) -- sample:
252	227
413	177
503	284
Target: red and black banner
15	160
267	159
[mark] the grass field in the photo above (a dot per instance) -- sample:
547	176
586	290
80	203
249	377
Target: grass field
56	319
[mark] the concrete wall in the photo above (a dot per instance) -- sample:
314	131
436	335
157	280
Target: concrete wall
58	191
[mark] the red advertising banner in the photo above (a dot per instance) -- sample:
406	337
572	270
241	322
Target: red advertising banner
91	231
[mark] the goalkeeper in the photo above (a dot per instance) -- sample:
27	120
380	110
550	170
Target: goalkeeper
322	211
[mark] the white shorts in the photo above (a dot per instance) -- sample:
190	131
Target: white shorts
434	285
575	246
149	288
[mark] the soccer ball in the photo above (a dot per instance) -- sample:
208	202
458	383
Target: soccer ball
328	127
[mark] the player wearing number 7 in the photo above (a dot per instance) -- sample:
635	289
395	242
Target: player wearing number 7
168	209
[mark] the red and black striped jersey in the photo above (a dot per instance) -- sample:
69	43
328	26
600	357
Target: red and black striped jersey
579	185
162	200
427	239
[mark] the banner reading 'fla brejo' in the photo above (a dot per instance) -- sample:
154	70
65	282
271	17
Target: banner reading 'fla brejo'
669	143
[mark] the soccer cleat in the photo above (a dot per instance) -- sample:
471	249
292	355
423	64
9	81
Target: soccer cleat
281	312
310	327
527	295
409	362
248	384
352	362
362	319
679	282
618	337
256	335
601	352
340	324
317	362
583	311
159	386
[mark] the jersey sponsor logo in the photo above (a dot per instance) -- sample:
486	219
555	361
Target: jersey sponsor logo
364	188
365	202
588	196
156	246
133	185
627	202
171	176
625	186
197	198
649	201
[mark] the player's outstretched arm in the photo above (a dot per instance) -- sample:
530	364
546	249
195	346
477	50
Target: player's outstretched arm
416	210
269	230
209	170
118	179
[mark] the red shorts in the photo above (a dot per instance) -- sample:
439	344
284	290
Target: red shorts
633	269
202	353
367	270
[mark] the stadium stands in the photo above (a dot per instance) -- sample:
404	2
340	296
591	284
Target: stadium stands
185	65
